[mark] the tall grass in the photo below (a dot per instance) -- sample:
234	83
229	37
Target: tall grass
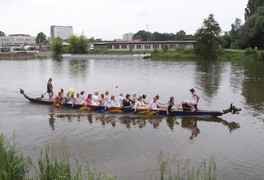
13	165
173	168
55	164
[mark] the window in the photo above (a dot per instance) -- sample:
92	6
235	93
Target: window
109	47
172	46
155	46
132	46
124	46
138	46
147	46
116	46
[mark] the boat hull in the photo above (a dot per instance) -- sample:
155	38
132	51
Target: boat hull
102	109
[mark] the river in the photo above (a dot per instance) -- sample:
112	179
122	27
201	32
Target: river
127	146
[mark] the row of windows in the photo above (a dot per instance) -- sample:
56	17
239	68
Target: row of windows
146	46
17	40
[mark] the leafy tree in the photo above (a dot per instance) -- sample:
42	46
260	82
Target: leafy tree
252	7
226	40
77	45
181	35
254	29
142	35
208	39
57	46
41	38
2	33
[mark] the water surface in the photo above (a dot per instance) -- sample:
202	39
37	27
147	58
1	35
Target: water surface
129	145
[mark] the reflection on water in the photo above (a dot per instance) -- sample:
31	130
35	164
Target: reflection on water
208	77
127	121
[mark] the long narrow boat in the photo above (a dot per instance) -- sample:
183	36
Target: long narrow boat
161	112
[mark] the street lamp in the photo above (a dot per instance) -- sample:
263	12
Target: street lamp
147	26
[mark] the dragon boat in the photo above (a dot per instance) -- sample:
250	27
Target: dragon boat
159	112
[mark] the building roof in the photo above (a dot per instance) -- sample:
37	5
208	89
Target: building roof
144	42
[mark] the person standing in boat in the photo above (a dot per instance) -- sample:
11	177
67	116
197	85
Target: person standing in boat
194	101
50	89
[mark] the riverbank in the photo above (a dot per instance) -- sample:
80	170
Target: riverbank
24	55
225	55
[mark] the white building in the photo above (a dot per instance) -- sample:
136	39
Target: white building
17	40
64	32
128	36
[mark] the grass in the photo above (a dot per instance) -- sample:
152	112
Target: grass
172	168
54	163
13	165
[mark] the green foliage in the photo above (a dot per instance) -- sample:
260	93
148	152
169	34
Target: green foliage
156	36
208	39
181	35
170	167
57	46
77	45
252	7
41	38
2	33
13	165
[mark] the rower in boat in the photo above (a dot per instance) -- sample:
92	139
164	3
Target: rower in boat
154	104
126	102
139	104
102	101
89	99
50	89
120	99
112	102
171	104
194	101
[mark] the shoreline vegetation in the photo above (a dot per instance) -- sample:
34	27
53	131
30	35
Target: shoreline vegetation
55	162
189	54
179	54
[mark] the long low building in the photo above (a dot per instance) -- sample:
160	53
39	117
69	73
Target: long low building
17	40
142	45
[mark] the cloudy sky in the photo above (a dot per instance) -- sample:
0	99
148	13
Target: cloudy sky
110	19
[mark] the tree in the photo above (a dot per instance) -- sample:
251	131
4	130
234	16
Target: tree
77	45
252	7
2	33
57	46
181	35
208	39
254	29
41	38
142	35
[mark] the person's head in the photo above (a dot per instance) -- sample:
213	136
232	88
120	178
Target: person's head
128	96
140	98
102	96
157	96
82	92
155	99
89	95
106	93
50	79
96	93
78	95
62	90
134	94
192	90
112	97
171	99
121	94
144	96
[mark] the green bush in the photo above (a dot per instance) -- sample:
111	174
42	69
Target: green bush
13	165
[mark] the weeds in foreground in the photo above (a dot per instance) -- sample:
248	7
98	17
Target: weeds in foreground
55	164
172	168
13	165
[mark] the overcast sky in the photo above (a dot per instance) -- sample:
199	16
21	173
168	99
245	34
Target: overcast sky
110	19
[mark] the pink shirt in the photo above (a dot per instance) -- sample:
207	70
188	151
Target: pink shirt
153	105
89	101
